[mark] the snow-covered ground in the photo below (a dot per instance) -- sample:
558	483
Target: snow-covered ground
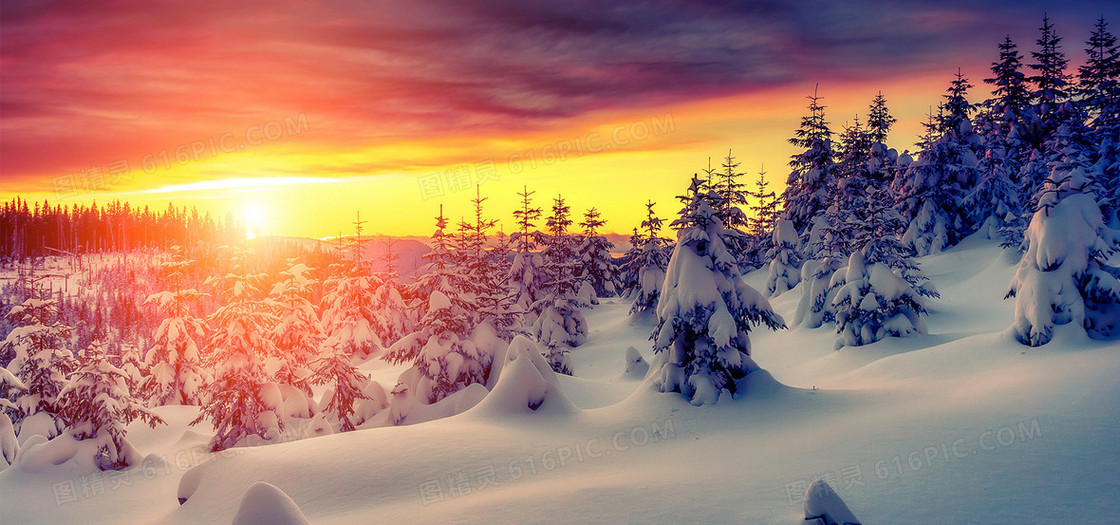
960	425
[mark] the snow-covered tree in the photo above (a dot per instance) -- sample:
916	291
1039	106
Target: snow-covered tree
594	254
242	399
97	404
1065	276
42	361
875	302
785	259
879	120
524	278
444	356
177	375
705	310
994	203
351	318
388	299
1099	91
332	367
733	194
1051	82
559	324
649	263
933	187
298	333
1011	96
764	213
811	176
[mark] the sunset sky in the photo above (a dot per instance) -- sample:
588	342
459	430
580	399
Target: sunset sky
298	114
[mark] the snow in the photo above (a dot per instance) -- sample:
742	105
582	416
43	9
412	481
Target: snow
264	504
961	424
825	506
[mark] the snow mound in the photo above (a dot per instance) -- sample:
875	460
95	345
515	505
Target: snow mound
9	445
636	365
189	483
38	454
526	383
264	504
824	506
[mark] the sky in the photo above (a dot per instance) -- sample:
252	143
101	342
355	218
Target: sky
296	115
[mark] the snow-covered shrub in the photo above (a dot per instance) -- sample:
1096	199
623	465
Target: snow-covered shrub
1064	276
705	310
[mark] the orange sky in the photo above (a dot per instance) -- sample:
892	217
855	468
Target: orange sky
298	118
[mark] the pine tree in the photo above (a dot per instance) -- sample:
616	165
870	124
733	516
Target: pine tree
628	266
1099	77
733	195
41	363
496	304
785	259
242	399
177	375
957	108
765	211
1099	90
1011	98
879	120
994	204
932	189
1051	82
705	310
811	175
882	290
1065	276
356	316
96	404
559	323
524	272
298	334
650	261
333	367
439	274
594	253
444	356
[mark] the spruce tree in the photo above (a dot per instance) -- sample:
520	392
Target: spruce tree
242	400
811	175
705	310
1065	276
96	404
594	253
41	362
650	261
524	278
559	324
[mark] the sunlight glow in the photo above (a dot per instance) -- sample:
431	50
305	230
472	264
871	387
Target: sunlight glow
254	215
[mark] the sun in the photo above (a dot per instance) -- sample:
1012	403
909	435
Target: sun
254	216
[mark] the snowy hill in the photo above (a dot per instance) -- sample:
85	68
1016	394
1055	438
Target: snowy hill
960	425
